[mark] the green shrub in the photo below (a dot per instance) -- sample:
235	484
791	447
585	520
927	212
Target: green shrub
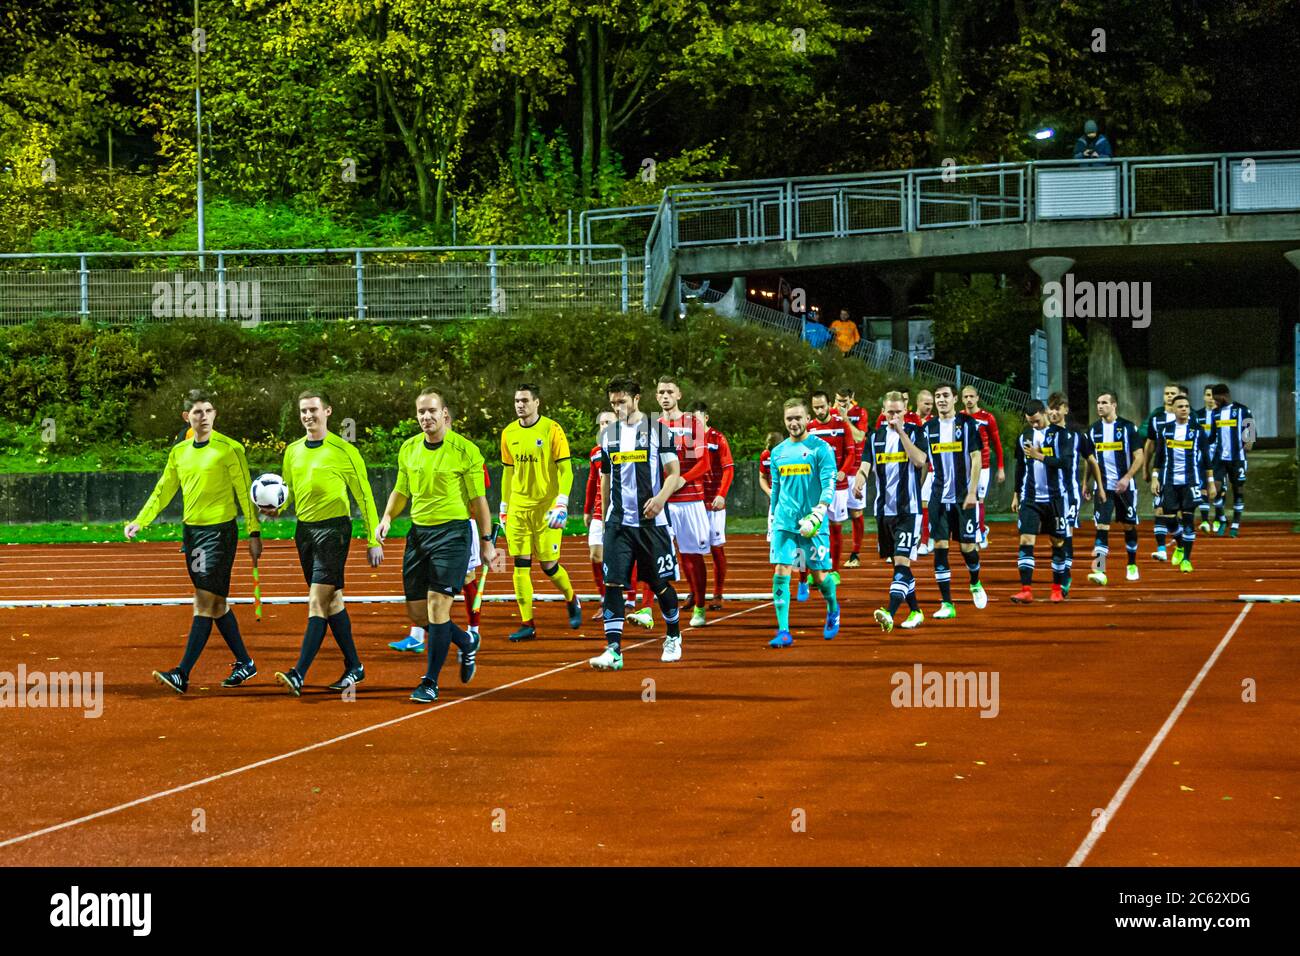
119	388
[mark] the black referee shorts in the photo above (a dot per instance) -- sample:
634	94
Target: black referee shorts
1122	508
435	559
1178	499
1043	517
323	549
210	554
648	548
954	521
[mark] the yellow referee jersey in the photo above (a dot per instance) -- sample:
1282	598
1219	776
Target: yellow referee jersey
439	481
211	477
320	475
538	458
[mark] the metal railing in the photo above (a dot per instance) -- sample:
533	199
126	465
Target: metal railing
383	284
625	225
879	354
658	255
834	207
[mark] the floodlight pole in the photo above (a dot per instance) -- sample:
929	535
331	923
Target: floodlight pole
198	132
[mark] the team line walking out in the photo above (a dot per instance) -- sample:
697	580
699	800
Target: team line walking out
655	508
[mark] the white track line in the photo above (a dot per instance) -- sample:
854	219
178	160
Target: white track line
496	597
1116	801
325	743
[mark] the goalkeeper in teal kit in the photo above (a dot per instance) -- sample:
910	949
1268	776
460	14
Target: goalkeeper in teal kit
803	489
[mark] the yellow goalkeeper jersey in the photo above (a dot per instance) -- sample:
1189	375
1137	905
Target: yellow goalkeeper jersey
538	458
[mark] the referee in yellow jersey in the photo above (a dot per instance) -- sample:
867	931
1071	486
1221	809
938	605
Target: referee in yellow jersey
441	474
319	470
211	472
536	479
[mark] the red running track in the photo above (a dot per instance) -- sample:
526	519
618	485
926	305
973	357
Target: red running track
736	755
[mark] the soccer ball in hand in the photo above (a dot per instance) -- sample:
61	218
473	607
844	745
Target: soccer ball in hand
269	491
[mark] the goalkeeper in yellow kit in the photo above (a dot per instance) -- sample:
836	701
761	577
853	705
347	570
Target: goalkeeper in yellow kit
536	479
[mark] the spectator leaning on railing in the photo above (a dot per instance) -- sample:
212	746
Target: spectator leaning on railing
814	333
1092	145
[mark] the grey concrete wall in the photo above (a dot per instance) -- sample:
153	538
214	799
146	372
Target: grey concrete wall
1239	346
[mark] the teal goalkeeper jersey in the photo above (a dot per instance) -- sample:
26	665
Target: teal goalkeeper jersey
803	476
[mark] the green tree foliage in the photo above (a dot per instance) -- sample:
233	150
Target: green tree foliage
985	327
386	116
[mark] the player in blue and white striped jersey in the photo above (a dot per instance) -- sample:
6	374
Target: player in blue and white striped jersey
893	457
1182	463
1043	455
1234	436
952	440
1119	463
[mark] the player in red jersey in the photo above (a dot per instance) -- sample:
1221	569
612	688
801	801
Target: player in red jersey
924	405
722	470
924	412
909	417
990	441
593	514
827	425
859	421
765	470
686	512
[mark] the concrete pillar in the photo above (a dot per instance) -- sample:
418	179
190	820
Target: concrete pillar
1051	269
672	306
1107	370
900	285
1293	257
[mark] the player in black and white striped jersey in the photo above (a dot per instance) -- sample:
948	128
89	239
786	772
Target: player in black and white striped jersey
1233	436
1044	452
1158	417
893	456
1182	464
1120	459
952	440
639	471
1205	418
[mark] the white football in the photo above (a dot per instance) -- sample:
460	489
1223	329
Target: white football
269	491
